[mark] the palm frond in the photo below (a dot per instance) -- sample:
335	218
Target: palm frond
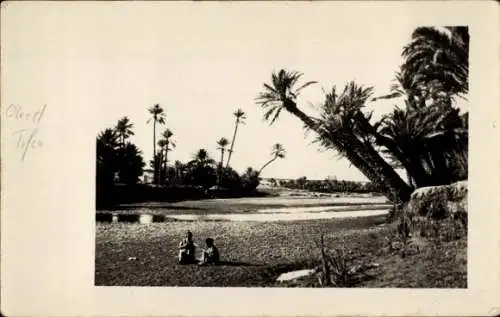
297	91
276	114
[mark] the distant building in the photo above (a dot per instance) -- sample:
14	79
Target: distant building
148	176
266	183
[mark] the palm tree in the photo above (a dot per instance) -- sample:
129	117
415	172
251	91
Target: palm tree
162	143
440	57
222	143
333	128
201	170
169	144
134	165
428	137
436	64
430	142
240	117
281	94
106	142
277	152
250	179
124	130
158	116
106	147
202	158
342	120
179	172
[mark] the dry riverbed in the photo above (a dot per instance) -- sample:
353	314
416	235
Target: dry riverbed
257	253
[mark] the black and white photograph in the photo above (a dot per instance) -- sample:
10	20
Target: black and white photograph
268	157
249	158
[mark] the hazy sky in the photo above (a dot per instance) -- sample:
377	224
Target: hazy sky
201	62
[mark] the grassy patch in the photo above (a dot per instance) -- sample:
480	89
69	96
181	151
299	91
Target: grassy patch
255	254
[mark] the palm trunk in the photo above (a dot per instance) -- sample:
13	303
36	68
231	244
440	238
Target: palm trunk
220	165
400	191
441	173
272	160
155	171
232	142
410	179
412	167
166	162
365	158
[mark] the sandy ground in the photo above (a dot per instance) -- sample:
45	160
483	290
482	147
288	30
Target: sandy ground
268	217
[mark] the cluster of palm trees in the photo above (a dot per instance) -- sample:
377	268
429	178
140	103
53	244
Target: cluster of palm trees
326	185
117	157
201	167
425	135
278	151
120	160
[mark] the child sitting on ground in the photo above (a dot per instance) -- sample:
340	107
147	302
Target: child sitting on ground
210	254
187	250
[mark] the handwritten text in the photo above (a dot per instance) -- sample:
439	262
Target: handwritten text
26	138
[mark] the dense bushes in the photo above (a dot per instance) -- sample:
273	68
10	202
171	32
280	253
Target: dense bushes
114	194
328	185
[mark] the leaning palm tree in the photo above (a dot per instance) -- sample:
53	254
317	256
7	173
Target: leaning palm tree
222	143
158	116
277	152
240	119
124	130
334	129
348	130
281	94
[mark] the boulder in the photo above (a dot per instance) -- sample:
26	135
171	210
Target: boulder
435	209
439	202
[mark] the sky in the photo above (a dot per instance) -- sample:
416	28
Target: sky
200	63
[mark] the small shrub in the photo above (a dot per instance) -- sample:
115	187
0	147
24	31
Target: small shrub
338	269
395	212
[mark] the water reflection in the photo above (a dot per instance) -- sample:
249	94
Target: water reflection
263	215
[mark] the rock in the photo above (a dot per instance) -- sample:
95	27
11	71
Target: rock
294	275
436	210
439	201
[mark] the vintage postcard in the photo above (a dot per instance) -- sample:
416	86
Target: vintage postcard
250	158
